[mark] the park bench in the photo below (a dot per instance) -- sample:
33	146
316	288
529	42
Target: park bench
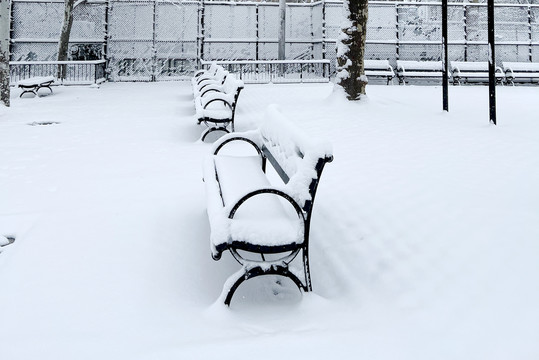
210	71
33	84
379	68
204	80
473	70
216	104
264	226
418	69
520	71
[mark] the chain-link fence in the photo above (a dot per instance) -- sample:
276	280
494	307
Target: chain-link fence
148	40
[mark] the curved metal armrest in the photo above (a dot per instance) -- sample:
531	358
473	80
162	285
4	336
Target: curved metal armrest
206	103
274	191
199	72
221	144
212	87
209	82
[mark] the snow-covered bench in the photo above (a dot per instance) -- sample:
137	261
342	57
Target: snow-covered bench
520	71
473	70
204	80
33	84
216	105
209	71
379	68
5	241
263	225
418	69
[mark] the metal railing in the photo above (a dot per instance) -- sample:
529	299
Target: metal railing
76	72
277	71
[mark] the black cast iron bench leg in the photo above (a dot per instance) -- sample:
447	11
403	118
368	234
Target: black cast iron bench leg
249	273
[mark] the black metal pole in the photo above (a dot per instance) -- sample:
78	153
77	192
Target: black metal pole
491	62
445	63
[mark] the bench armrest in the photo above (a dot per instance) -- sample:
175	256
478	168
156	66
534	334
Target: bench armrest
227	139
200	72
211	87
216	96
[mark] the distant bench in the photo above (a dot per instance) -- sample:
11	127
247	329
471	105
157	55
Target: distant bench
473	70
379	68
520	71
247	214
33	84
418	69
216	93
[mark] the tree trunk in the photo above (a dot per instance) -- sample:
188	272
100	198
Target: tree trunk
5	21
351	49
64	37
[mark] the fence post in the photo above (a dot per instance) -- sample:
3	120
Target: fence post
106	38
154	49
465	6
324	31
257	24
200	36
281	53
530	49
11	27
397	31
312	32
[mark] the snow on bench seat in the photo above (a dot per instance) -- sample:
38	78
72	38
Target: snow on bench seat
35	80
33	84
248	212
263	218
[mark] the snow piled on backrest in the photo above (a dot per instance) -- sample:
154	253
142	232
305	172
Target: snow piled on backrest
231	84
470	65
521	66
294	151
419	65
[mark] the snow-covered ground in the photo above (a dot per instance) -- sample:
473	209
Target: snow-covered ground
424	244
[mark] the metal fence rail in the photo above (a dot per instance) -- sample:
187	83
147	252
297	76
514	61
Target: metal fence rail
77	72
277	71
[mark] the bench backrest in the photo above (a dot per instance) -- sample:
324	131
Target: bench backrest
297	159
377	65
469	65
212	70
520	66
408	65
232	85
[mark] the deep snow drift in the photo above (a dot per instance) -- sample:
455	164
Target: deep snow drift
424	244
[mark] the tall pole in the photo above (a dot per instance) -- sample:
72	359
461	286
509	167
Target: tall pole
445	62
491	62
282	29
5	22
